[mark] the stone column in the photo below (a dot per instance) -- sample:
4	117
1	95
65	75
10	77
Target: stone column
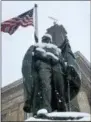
83	102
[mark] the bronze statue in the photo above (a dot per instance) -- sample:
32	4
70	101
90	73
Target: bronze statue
46	69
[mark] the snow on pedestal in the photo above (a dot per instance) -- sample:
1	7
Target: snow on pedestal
82	116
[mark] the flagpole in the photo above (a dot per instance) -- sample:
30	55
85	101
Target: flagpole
36	24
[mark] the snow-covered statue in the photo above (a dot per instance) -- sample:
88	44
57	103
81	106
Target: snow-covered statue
47	78
47	68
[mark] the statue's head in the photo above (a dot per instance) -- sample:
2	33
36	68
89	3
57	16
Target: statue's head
47	38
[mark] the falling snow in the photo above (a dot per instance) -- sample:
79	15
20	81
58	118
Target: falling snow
59	101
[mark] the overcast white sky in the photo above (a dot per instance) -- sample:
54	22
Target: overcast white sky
74	15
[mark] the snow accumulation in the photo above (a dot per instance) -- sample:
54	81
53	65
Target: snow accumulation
85	116
55	57
46	53
43	111
40	49
48	45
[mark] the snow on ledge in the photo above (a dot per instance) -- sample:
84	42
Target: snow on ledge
86	116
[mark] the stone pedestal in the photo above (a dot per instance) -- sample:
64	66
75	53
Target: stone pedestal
68	116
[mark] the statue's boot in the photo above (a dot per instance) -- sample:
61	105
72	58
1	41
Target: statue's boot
62	107
42	111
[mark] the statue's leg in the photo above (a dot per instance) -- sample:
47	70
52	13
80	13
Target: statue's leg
58	82
42	95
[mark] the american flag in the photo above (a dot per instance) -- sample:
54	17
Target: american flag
24	20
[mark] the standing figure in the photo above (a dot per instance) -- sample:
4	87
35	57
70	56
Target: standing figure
48	77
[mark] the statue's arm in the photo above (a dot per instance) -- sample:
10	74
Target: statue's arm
46	56
41	54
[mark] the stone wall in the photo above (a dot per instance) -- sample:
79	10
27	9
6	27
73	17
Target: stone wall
12	104
82	102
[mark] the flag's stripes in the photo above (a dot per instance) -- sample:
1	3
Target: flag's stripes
23	20
26	21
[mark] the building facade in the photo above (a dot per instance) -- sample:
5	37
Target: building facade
13	95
